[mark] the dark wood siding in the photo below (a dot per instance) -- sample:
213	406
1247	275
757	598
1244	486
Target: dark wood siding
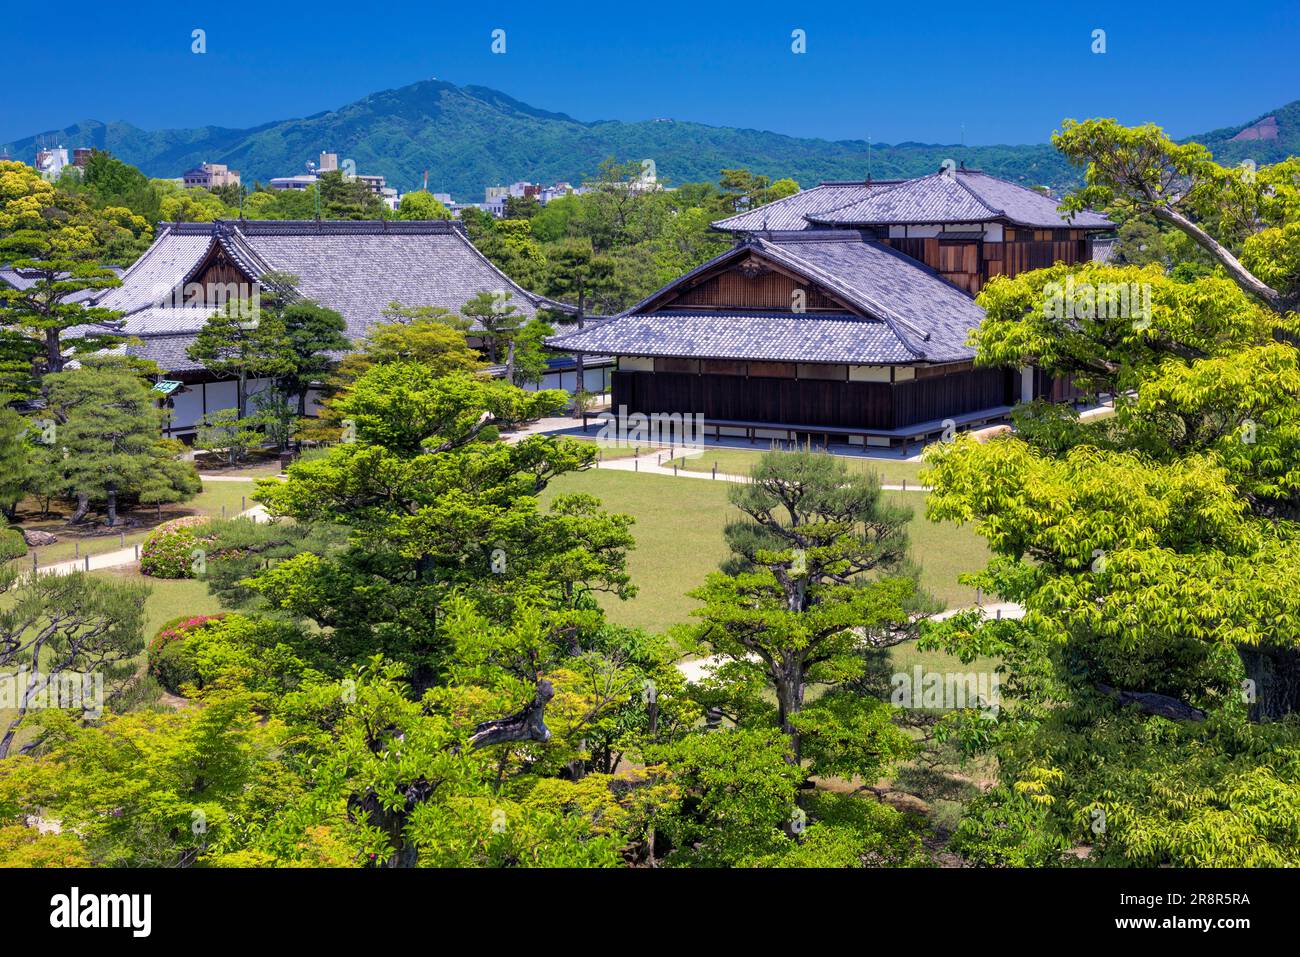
765	290
848	405
970	265
1055	388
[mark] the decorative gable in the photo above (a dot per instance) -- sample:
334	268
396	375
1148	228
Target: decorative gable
752	283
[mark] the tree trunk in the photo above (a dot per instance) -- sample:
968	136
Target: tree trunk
1275	674
579	384
53	351
8	741
1239	273
526	725
302	413
789	702
510	362
83	506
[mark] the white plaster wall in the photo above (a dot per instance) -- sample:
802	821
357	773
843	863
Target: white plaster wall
868	373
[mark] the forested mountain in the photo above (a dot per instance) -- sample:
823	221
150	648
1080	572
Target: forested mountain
472	136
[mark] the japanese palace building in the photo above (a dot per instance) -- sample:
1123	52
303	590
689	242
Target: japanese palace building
354	267
844	310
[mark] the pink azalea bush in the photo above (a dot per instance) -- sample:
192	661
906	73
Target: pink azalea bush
167	553
167	659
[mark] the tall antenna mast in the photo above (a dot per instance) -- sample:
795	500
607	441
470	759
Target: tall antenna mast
868	158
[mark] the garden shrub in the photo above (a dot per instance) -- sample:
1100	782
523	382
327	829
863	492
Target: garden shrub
226	651
250	652
167	553
12	544
173	666
171	658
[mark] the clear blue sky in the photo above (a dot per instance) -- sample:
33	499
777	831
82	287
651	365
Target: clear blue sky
899	71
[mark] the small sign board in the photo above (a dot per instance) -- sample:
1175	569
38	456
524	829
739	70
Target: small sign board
167	387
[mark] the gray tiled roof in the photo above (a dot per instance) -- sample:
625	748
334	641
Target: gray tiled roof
959	196
791	212
166	350
160	319
931	199
908	313
786	337
930	316
162	266
1026	206
356	268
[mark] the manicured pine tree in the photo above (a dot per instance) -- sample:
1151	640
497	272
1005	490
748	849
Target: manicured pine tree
818	574
499	319
107	427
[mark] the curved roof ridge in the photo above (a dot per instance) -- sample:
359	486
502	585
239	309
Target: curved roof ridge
896	184
977	197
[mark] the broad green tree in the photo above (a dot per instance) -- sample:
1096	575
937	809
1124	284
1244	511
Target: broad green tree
1246	219
1151	686
15	461
58	245
576	275
431	499
243	341
313	336
421	204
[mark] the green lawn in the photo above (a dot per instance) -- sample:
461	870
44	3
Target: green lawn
608	450
168	598
679	541
740	461
94	539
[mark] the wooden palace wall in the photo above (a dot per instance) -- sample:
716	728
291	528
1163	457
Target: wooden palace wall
813	402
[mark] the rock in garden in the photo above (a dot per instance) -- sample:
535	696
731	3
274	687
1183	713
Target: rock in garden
35	538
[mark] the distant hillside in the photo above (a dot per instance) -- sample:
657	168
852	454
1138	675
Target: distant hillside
1265	139
470	137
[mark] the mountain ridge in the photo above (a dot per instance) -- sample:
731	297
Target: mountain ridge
472	136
